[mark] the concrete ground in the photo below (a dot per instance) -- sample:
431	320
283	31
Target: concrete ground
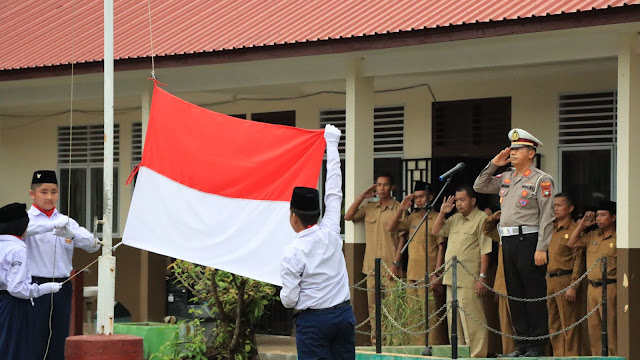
276	347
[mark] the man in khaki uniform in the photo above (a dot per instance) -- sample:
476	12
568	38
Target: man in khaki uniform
565	266
418	255
599	243
490	228
526	224
472	247
380	243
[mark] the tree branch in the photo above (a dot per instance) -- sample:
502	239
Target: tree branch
216	297
239	310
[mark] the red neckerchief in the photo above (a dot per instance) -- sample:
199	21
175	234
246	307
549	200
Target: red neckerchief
17	237
46	212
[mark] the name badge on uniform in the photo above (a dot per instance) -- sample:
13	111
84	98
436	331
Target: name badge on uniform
529	186
16	263
414	226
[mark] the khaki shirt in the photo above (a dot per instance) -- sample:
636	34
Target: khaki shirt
417	246
379	242
598	246
562	257
524	199
490	228
468	243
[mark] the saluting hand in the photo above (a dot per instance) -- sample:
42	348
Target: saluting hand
588	219
370	192
448	204
502	158
406	202
496	215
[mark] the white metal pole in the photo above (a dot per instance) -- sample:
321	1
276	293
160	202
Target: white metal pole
107	263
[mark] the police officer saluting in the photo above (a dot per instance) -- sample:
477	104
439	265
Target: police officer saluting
526	225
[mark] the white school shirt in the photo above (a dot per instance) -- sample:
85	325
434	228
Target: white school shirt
14	269
45	244
313	270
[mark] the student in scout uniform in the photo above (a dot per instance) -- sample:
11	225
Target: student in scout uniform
565	266
16	289
51	238
526	225
418	248
490	228
472	247
314	272
599	243
380	243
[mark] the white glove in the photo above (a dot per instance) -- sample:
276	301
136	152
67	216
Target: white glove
61	221
332	134
49	288
64	232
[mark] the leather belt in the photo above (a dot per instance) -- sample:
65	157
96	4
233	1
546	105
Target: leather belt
4	292
342	304
558	273
41	280
517	230
598	283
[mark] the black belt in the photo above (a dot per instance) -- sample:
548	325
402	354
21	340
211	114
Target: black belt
4	292
558	273
342	304
39	279
598	283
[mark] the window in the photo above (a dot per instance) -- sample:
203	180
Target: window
587	147
80	163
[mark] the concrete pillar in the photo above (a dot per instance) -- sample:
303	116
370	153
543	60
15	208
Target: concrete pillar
628	195
358	171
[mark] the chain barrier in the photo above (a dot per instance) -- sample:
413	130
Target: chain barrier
407	330
533	338
446	266
357	285
573	284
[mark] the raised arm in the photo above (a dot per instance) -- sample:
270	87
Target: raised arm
486	183
333	184
588	220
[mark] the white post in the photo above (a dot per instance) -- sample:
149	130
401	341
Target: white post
107	263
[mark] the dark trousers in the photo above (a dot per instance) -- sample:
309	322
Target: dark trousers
525	279
60	321
16	326
326	334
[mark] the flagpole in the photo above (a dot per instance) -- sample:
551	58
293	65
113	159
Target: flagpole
107	263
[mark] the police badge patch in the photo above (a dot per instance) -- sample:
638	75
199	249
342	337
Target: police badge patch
546	188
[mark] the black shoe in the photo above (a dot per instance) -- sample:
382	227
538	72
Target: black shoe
534	353
515	353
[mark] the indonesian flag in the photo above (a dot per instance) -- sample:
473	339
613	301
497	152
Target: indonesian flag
215	190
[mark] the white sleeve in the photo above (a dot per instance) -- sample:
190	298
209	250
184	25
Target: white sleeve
18	282
333	190
36	227
84	239
291	274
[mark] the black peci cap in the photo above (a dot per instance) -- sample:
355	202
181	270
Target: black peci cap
44	177
305	199
13	219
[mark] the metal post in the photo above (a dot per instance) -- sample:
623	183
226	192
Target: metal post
107	263
454	308
605	338
378	308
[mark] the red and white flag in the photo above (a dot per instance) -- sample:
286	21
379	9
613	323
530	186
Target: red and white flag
215	190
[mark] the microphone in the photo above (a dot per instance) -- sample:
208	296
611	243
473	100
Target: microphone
454	170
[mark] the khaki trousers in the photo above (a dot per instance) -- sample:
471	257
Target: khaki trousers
508	344
594	297
371	300
439	335
562	314
470	332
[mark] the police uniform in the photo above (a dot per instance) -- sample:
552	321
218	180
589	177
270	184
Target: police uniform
50	258
526	225
469	244
508	344
16	289
314	272
380	243
565	266
597	246
418	264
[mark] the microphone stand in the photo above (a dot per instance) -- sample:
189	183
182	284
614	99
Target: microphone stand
427	350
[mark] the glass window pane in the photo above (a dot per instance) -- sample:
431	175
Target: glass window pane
77	210
586	177
97	200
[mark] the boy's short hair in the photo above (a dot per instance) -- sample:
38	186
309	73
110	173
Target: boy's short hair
387	175
307	218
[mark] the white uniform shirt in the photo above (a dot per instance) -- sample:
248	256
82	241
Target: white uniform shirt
45	246
14	269
313	270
